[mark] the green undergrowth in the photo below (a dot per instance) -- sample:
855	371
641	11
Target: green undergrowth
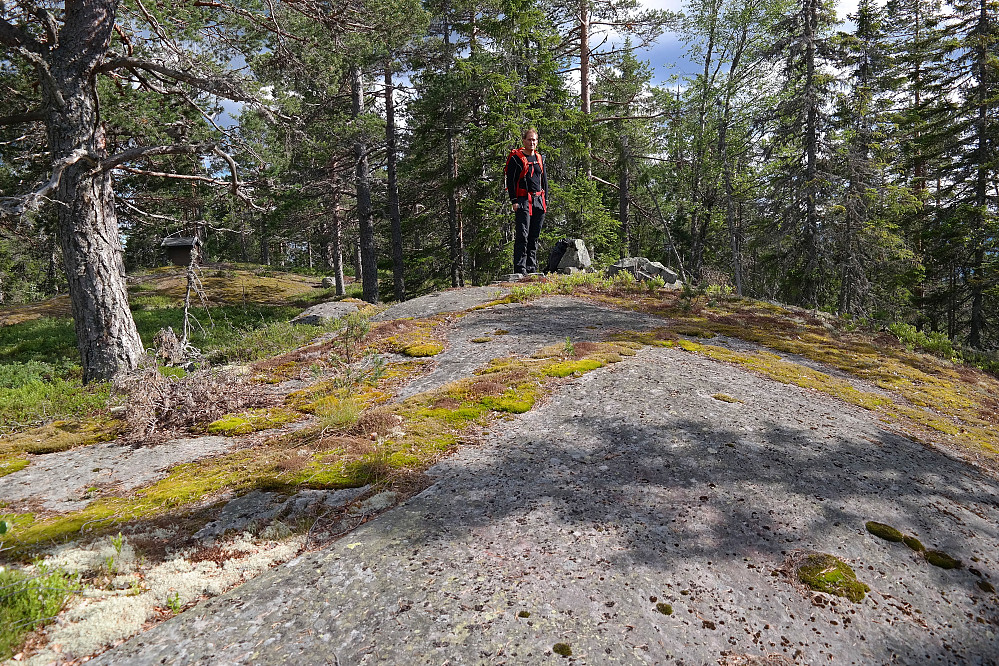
29	601
247	319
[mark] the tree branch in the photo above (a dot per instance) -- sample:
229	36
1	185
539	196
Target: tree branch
19	205
148	151
21	118
17	37
175	176
610	118
216	87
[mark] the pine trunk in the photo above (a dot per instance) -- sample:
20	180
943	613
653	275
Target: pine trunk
398	267
87	224
369	259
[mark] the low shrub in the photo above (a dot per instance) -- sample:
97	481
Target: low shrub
28	602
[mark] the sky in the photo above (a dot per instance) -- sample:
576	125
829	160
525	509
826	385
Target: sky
666	56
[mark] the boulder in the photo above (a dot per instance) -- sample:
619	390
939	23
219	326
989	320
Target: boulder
576	256
328	283
643	269
317	314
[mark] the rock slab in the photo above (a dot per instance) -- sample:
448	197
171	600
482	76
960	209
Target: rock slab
639	519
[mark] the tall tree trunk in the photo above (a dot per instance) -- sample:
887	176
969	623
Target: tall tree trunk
811	138
369	259
398	266
584	77
336	248
88	226
454	225
701	216
979	283
358	266
623	199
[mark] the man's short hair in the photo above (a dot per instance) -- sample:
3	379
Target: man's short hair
529	130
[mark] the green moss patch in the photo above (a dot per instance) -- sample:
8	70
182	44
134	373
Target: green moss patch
665	609
562	649
725	397
423	350
938	558
913	543
566	368
827	573
886	532
252	421
11	465
52	438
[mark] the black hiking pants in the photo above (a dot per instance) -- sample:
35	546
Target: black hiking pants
527	228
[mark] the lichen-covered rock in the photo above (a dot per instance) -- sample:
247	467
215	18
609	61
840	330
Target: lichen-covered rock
643	269
322	312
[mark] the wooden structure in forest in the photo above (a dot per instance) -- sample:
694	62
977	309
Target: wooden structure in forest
180	250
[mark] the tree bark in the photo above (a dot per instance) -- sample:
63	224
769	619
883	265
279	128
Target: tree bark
623	199
369	258
398	266
811	19
88	226
584	76
454	225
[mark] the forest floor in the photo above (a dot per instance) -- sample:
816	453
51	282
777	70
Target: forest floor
554	472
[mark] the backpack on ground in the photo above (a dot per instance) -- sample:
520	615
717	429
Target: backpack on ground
556	255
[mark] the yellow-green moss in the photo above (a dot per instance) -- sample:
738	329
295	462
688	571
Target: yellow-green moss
481	340
665	609
566	368
252	421
60	436
827	573
886	532
423	350
725	397
515	400
562	649
913	543
11	465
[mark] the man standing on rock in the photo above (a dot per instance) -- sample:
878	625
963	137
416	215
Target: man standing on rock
526	184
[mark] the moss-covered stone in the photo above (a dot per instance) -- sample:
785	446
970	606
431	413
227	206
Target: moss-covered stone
938	558
827	573
886	532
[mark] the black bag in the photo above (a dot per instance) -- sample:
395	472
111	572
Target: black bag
556	255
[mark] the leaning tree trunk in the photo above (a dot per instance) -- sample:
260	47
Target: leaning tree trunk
88	227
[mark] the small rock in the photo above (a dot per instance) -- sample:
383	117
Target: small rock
322	312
